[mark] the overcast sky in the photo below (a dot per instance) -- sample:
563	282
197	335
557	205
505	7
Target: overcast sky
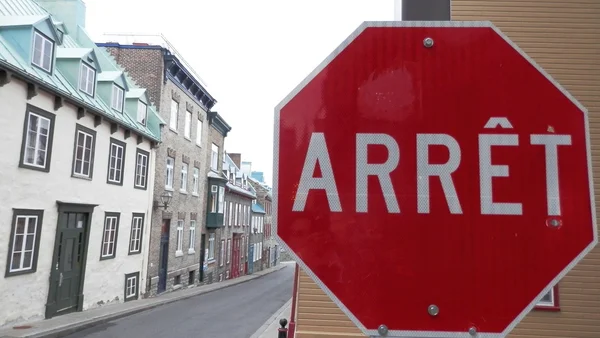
251	53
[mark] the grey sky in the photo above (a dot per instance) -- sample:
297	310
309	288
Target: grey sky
250	53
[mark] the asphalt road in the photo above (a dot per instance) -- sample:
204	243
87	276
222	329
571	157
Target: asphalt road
234	312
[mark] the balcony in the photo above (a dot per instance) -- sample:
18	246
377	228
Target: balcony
215	202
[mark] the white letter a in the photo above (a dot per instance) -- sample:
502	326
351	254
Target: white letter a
317	152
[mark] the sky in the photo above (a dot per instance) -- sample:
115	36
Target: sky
251	54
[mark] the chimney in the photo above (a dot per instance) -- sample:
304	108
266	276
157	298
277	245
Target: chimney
69	12
236	158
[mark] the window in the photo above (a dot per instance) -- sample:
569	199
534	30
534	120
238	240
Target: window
131	286
242	249
221	199
116	162
549	301
199	133
135	238
179	251
24	241
230	213
141	169
187	133
237	212
195	181
213	198
184	169
174	115
211	247
192	246
109	238
228	250
43	50
169	175
36	148
214	159
87	79
83	154
191	277
116	101
225	213
142	112
222	253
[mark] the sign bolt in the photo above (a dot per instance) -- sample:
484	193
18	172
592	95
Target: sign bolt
473	331
433	310
383	330
428	42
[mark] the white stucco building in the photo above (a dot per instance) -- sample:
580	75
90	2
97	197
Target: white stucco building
77	167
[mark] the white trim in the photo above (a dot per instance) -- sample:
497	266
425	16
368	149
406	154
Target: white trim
318	69
37	34
85	71
117	98
37	131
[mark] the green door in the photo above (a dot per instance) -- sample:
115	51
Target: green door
68	265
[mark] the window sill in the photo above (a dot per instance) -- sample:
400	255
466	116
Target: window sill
191	252
173	130
85	178
199	145
210	261
183	192
169	188
187	138
178	253
195	194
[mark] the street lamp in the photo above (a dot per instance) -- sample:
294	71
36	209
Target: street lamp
165	199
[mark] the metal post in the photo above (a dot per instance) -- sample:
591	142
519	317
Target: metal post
423	10
283	331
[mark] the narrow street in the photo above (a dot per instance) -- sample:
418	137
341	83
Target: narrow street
233	312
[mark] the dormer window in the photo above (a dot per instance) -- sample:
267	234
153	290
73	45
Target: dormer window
116	102
141	112
43	49
87	79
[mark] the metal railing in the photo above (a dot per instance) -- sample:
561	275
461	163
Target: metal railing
153	39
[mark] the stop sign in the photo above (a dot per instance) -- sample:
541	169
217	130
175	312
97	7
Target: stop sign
431	178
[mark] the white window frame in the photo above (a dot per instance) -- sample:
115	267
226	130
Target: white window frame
135	240
230	213
43	52
183	177
222	253
141	169
228	250
548	304
199	132
214	157
85	84
221	200
173	121
26	216
170	171
224	212
211	247
187	133
115	171
88	144
192	245
118	95
214	191
142	112
195	180
38	134
131	287
109	245
179	248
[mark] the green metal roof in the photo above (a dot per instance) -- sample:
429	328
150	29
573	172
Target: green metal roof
24	15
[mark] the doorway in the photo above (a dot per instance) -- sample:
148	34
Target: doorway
235	257
202	257
67	275
164	255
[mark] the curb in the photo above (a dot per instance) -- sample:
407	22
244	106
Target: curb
82	325
261	330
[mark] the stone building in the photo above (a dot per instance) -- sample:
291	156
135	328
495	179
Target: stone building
265	199
178	244
238	197
257	237
77	167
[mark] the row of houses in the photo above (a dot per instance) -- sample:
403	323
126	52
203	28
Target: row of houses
117	185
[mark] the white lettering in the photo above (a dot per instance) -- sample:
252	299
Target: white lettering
487	171
443	171
551	143
381	170
317	152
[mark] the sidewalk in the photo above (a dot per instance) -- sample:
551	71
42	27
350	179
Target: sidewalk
270	328
67	324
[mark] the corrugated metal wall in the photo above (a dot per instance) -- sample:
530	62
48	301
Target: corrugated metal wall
563	36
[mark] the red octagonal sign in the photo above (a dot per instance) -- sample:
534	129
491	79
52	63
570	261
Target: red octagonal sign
431	178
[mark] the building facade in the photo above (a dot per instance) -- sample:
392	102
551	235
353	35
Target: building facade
265	199
215	239
79	153
257	237
183	102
